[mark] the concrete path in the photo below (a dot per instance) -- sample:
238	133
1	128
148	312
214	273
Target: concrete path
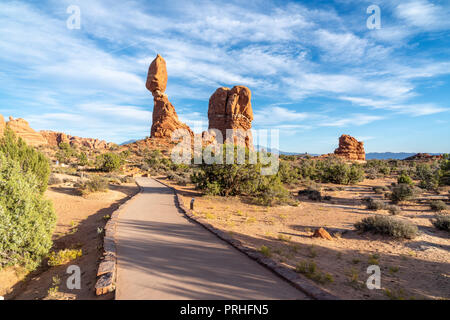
163	255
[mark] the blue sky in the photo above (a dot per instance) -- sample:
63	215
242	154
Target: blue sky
315	70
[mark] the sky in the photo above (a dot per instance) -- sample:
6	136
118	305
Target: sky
315	69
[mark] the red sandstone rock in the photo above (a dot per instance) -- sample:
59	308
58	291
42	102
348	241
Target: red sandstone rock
23	130
322	233
165	119
350	148
424	157
232	109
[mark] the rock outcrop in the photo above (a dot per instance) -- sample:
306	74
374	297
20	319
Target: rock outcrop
350	148
23	130
232	109
322	233
165	119
55	138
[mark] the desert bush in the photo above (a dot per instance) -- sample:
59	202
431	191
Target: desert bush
65	152
288	173
82	159
388	226
405	179
27	218
379	189
53	180
181	179
239	179
375	205
27	157
109	162
402	192
438	205
393	209
441	222
311	271
93	184
332	170
428	177
445	170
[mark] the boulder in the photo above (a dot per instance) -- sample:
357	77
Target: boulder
23	130
232	109
322	233
157	76
350	148
165	119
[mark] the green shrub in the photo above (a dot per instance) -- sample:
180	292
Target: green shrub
438	205
93	184
29	159
65	152
402	192
109	162
428	177
405	179
83	159
288	173
27	218
445	170
441	222
311	271
387	226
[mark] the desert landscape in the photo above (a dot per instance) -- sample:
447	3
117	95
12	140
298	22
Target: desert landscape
209	206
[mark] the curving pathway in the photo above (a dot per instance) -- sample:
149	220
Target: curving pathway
162	255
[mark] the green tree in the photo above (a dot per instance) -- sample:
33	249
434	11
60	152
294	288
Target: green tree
27	218
29	159
109	162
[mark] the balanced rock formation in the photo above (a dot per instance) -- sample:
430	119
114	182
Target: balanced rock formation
23	130
232	109
165	119
350	148
55	138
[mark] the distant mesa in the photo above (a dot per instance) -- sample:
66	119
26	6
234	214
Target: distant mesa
350	148
232	109
424	157
165	119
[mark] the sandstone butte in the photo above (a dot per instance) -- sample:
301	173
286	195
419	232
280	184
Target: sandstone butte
165	119
232	109
23	130
350	148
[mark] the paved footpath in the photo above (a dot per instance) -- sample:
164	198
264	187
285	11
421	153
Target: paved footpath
163	255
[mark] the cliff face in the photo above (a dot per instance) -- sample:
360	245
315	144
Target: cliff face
350	148
232	109
165	119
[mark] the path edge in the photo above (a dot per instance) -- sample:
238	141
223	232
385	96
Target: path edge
107	268
299	282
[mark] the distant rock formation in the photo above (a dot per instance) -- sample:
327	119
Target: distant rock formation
424	157
350	148
55	138
23	130
165	119
232	109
